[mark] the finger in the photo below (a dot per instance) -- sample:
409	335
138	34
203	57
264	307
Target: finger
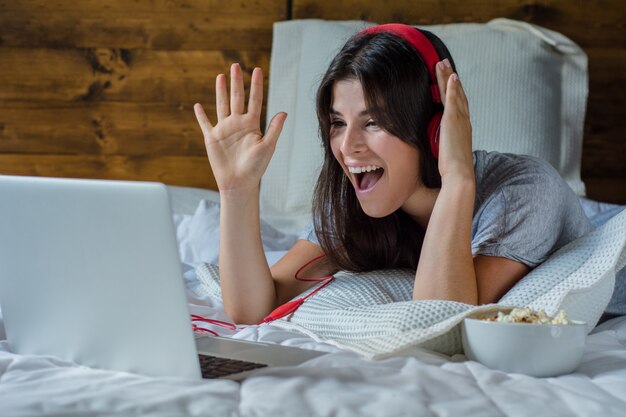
275	127
443	71
460	89
203	120
456	94
221	98
450	86
255	102
237	94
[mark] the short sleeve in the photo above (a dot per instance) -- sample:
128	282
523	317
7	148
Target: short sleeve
528	221
308	233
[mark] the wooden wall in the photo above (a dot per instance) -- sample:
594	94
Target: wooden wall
104	89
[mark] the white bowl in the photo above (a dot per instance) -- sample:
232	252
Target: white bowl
539	350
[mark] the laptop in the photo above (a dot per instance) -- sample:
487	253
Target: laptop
90	273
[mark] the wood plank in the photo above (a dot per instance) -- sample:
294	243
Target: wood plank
114	128
100	128
108	74
604	144
606	189
157	24
145	6
589	23
191	171
607	73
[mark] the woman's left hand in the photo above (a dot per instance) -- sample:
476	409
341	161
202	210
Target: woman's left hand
455	136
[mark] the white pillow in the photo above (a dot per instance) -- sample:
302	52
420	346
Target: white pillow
199	234
372	313
184	200
527	88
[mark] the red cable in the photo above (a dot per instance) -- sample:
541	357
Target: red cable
279	312
307	264
292	306
219	323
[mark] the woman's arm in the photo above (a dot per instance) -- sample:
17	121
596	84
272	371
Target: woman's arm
250	289
239	154
447	269
495	276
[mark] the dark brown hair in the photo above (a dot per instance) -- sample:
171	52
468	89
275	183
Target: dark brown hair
395	84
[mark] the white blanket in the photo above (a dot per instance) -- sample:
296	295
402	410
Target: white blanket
338	384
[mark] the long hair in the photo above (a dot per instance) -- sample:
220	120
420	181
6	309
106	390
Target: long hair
395	84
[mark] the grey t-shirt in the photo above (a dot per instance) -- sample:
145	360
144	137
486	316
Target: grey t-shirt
523	209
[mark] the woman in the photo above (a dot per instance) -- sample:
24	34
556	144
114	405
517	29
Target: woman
400	185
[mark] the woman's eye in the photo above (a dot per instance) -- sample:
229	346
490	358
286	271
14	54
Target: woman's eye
371	123
336	123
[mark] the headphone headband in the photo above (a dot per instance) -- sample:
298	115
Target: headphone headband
420	42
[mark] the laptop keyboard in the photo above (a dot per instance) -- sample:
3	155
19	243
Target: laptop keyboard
214	367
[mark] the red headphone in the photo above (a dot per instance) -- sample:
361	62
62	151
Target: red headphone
428	53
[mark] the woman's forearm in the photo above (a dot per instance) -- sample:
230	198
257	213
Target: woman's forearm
239	153
248	290
446	268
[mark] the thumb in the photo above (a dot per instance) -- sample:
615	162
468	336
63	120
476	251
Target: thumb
276	126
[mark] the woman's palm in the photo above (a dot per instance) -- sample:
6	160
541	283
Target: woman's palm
237	149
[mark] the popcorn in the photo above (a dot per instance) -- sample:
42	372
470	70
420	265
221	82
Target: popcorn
526	315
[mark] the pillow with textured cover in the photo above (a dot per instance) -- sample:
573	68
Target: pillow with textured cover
526	86
373	314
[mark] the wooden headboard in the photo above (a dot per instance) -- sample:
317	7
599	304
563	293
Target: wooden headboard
105	89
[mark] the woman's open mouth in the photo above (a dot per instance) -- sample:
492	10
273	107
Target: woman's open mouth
366	177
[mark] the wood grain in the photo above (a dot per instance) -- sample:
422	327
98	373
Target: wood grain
105	74
191	171
157	24
607	189
604	147
100	128
607	75
105	89
589	23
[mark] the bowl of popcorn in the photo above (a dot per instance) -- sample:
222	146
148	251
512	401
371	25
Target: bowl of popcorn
524	341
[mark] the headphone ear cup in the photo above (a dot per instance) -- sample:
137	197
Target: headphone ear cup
433	133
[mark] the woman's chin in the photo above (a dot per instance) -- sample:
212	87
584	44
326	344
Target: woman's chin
375	210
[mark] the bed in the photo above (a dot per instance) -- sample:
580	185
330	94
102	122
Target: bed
420	381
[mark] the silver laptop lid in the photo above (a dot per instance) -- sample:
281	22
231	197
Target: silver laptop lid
89	272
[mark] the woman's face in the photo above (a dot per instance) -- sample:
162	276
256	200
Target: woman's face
383	169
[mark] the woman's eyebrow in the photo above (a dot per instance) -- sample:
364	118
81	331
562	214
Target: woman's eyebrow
361	113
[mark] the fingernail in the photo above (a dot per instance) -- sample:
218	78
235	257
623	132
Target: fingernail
446	63
455	77
440	65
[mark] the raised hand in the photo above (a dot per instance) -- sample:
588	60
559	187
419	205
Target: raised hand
237	149
455	143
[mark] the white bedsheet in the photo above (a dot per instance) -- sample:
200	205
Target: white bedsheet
337	384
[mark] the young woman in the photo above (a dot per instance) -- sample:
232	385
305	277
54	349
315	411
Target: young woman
399	187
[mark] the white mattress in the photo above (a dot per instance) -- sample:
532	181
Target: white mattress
340	383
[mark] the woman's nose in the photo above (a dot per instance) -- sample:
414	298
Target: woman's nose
352	142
